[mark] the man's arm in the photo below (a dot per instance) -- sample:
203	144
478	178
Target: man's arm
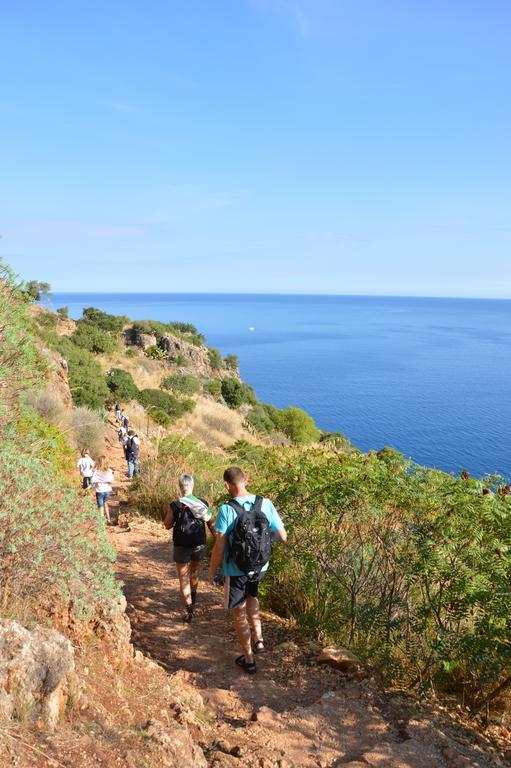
168	520
281	534
217	555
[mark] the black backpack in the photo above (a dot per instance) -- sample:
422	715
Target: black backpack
250	543
188	530
132	448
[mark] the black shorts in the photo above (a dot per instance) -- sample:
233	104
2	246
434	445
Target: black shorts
183	555
238	588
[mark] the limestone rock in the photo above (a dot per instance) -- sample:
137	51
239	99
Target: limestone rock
112	623
35	668
177	745
339	658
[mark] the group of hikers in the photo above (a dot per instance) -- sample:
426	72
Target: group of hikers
129	440
244	529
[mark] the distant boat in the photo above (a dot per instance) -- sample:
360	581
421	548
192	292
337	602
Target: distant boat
251	328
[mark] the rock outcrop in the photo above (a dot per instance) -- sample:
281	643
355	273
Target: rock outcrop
35	669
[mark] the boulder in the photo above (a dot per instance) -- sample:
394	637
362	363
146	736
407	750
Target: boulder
111	623
339	658
176	744
35	669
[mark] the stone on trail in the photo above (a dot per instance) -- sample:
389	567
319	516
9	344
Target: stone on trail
339	658
35	666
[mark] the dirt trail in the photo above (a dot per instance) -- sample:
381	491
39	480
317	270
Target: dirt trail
293	712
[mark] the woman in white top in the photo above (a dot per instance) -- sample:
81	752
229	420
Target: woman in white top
86	466
103	478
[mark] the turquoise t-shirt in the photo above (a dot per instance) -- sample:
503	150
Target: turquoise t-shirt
226	520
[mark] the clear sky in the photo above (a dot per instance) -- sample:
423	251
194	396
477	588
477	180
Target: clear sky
330	146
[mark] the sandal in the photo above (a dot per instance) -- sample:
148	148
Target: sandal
259	646
249	668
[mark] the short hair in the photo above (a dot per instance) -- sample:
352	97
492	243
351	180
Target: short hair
130	432
186	482
234	475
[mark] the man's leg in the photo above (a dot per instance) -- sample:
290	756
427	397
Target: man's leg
254	620
242	629
183	572
130	468
194	579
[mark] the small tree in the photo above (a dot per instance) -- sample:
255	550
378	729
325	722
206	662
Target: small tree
231	362
298	426
63	312
36	289
121	385
236	392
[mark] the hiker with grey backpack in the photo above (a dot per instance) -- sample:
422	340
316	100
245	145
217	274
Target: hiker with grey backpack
188	516
245	527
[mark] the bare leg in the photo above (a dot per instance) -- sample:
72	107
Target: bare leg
194	579
254	619
183	572
242	628
107	512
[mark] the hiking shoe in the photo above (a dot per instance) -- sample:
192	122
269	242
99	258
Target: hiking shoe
194	596
187	618
248	667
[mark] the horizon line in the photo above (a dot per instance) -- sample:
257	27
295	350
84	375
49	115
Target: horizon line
278	293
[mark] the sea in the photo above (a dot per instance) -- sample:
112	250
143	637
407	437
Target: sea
428	376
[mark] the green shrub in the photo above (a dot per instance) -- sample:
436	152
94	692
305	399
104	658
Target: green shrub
232	362
236	392
259	420
185	331
63	312
21	364
410	569
86	380
36	289
89	336
215	358
121	385
105	322
180	361
155	353
88	431
129	352
338	441
298	425
160	417
214	387
52	540
155	398
182	384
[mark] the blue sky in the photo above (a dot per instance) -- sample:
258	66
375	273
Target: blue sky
330	146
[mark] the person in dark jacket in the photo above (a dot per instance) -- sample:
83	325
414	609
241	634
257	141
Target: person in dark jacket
188	517
132	453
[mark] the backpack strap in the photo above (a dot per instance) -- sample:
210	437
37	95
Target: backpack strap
238	508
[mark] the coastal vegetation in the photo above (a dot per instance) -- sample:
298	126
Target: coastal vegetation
410	567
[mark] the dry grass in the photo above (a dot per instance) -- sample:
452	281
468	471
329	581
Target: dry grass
49	406
146	373
213	424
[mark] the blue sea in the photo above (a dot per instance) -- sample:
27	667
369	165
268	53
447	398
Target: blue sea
431	377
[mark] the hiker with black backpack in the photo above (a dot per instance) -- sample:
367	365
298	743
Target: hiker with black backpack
132	452
188	516
245	526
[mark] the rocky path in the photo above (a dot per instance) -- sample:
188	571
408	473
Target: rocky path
293	712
